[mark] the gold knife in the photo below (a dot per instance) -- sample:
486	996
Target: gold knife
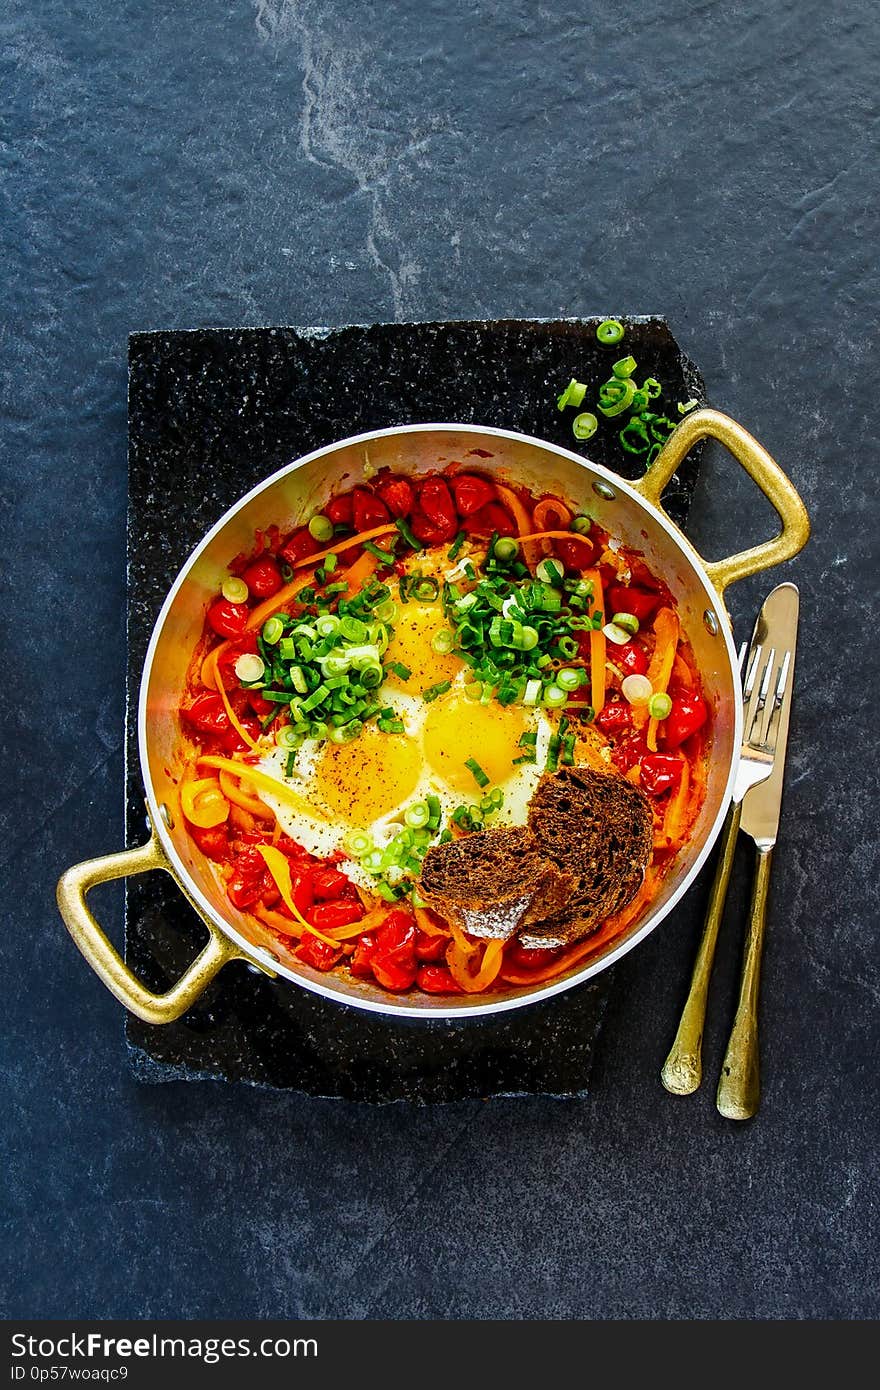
739	1087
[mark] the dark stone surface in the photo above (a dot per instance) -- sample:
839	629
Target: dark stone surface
210	414
180	166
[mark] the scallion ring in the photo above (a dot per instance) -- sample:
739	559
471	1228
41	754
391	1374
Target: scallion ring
616	634
636	690
628	621
572	395
659	706
321	528
505	549
568	678
609	332
249	668
581	525
625	367
584	426
442	641
273	631
234	590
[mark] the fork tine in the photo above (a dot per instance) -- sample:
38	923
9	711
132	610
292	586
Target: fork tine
774	715
741	659
749	678
773	698
754	684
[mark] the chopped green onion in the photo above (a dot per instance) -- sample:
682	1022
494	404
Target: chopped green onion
479	775
532	693
359	843
387	557
298	680
290	763
634	436
336	665
288	737
628	621
653	387
434	692
317	729
321	528
402	672
568	743
659	706
550	571
442	642
615	634
625	367
233	589
452	553
568	678
609	332
425	590
581	525
249	668
326	625
417	815
352	629
652	455
636	690
386	611
553	748
615	396
391	726
683	408
584	426
273	631
347	732
572	395
405	530
554	697
505	549
315	699
330	563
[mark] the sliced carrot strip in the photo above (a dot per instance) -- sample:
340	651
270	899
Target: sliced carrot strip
508	497
347	544
425	921
598	643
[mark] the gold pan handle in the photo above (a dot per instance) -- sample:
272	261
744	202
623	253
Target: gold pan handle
761	468
108	965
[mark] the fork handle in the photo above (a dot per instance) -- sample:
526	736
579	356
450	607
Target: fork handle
739	1087
682	1071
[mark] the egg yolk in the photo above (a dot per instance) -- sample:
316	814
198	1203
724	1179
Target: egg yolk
414	627
363	780
457	729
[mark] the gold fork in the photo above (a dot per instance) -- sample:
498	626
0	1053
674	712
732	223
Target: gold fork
765	670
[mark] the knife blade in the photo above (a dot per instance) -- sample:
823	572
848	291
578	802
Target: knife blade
762	804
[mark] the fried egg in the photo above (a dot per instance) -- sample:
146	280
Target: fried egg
366	785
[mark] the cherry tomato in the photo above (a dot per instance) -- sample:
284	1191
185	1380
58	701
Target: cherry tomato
312	951
430	947
394	963
228	619
300	545
263	578
293	850
639	602
207	715
576	553
339	913
688	714
329	884
529	957
630	657
614	717
340	510
490	518
425	530
471	493
660	773
437	979
360	963
398	496
436	502
260	706
249	880
629	750
369	510
213	842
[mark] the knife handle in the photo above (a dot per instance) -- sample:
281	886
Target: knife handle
682	1071
739	1087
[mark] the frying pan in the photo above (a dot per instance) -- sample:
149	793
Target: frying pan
630	512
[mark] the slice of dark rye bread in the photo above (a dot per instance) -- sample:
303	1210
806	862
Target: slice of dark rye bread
494	882
598	828
581	858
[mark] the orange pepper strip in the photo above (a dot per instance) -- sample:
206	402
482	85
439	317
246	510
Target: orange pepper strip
426	923
276	920
347	544
233	793
487	973
598	643
508	497
676	810
263	781
211	667
202	802
550	509
465	947
279	867
666	631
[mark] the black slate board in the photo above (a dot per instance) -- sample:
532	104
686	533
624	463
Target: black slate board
213	411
